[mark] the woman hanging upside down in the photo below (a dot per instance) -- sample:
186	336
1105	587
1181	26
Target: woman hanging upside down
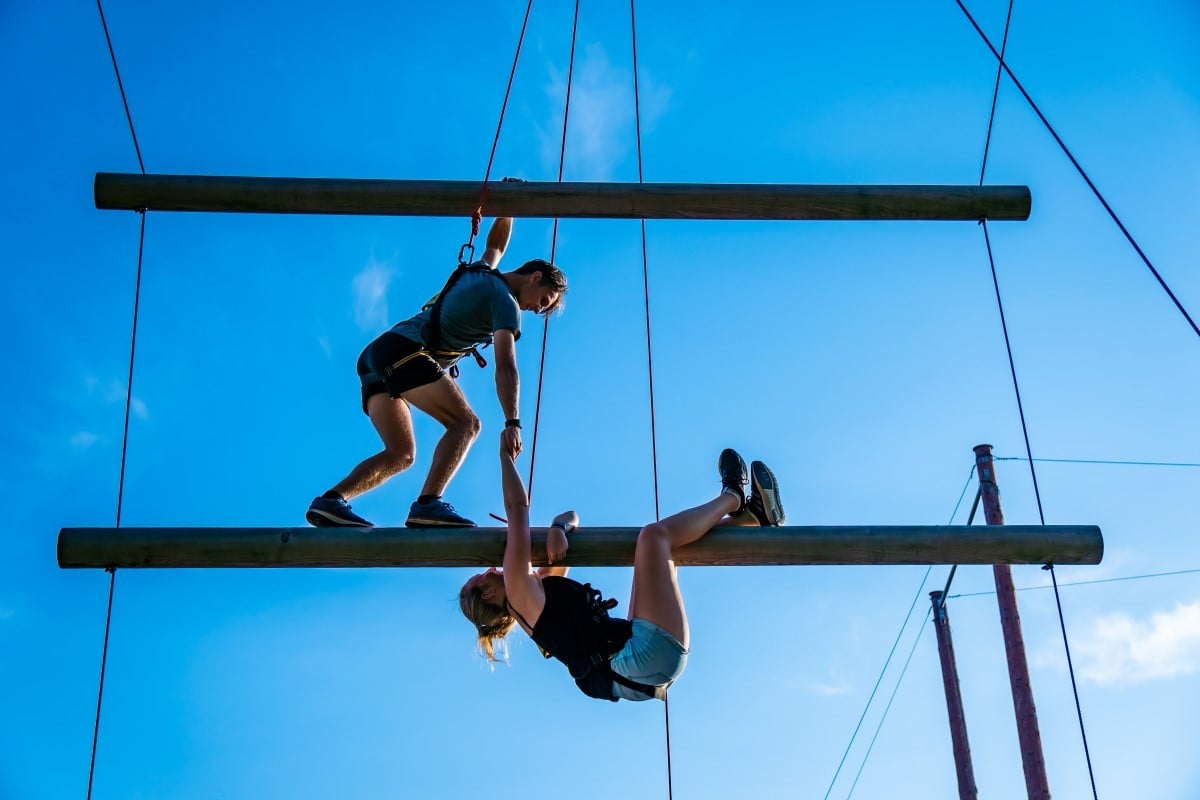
610	659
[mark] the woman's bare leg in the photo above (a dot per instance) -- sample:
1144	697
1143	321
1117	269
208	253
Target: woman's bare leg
655	596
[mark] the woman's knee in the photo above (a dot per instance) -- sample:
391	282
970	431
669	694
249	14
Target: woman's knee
655	534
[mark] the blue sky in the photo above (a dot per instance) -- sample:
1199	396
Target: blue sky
861	360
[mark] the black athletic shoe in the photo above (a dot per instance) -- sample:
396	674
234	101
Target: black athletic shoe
436	514
327	512
764	501
733	476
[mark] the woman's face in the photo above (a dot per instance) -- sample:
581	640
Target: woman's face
490	585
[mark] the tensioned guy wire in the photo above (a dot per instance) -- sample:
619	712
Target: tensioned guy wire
1078	168
892	652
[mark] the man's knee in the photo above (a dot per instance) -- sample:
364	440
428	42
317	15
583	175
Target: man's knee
468	425
397	459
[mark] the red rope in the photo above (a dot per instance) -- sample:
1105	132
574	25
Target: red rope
477	217
562	152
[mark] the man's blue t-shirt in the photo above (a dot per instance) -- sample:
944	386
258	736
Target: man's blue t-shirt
478	305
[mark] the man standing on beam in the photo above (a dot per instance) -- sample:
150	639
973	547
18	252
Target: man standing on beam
408	365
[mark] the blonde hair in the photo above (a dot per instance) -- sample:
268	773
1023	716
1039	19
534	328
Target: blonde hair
492	623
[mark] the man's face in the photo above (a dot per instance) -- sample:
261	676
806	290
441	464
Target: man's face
535	297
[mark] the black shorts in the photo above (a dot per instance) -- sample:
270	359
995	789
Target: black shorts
409	365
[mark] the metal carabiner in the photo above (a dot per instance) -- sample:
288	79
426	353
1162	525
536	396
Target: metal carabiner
462	250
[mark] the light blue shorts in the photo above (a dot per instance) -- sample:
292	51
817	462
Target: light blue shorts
651	656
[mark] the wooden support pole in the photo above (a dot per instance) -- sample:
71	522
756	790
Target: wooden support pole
483	547
1037	785
954	703
430	198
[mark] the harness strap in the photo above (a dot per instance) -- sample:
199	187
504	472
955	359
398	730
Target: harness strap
657	692
432	331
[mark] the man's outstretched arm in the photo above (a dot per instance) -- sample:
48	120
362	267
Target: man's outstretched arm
508	388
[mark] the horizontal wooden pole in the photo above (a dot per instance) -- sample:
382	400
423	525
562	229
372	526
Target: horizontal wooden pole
530	199
483	547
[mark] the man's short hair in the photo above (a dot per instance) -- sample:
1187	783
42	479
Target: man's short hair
552	276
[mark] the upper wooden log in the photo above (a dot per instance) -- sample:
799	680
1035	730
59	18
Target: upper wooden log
533	199
483	547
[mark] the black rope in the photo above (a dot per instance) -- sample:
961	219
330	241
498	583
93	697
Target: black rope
562	153
987	141
1080	170
124	101
1074	686
954	568
992	262
137	293
112	579
1008	344
645	262
637	117
1013	370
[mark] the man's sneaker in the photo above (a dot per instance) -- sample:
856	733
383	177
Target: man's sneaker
436	514
328	512
733	475
764	501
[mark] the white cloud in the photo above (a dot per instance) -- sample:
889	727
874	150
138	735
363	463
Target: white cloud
326	347
84	439
601	129
1119	649
115	393
370	296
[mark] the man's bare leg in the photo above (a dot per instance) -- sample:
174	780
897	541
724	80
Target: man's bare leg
445	402
393	422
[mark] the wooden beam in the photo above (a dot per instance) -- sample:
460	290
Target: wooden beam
531	199
483	547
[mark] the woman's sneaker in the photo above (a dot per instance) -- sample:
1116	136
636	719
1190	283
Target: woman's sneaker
733	476
329	512
764	501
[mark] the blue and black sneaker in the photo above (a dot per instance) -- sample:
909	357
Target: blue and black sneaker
331	512
764	502
733	476
436	514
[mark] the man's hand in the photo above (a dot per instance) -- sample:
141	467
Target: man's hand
510	442
556	544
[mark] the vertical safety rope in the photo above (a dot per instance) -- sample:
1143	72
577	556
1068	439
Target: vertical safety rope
1083	174
112	572
1087	754
483	189
125	102
562	152
637	117
1001	68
